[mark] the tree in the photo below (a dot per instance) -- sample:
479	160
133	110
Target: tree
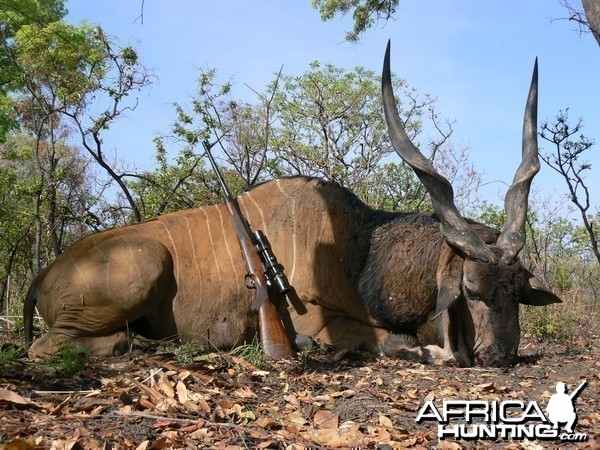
566	158
14	15
365	13
592	14
175	184
588	19
57	75
66	69
327	122
56	62
38	219
180	179
330	124
15	224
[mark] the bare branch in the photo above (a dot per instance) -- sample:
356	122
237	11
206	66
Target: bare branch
565	160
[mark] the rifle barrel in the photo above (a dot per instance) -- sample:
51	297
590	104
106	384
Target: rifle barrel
576	391
207	147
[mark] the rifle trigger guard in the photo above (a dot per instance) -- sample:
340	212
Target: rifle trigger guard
249	281
255	307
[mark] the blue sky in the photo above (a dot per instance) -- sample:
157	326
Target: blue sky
475	56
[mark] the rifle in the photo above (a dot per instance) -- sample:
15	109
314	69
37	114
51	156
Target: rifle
264	274
573	394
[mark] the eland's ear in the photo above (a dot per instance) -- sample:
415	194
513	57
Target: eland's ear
535	293
449	280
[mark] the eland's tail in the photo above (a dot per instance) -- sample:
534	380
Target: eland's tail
28	311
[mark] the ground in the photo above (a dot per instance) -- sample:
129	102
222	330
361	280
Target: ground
151	401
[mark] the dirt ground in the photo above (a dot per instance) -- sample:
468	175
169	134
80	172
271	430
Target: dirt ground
150	401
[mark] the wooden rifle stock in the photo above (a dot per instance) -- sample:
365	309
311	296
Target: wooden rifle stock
273	338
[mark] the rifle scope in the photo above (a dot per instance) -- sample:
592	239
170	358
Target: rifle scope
271	266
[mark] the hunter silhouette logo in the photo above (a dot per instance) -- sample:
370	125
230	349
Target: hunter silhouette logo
508	419
560	407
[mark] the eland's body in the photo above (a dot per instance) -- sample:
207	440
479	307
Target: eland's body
436	285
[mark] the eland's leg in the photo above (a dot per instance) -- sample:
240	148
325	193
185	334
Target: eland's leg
93	299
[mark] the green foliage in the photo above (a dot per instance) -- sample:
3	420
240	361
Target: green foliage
185	353
365	15
11	353
251	352
55	71
326	122
393	187
332	119
71	60
558	251
179	179
330	124
188	352
70	359
8	112
491	215
15	15
64	70
548	324
61	206
16	189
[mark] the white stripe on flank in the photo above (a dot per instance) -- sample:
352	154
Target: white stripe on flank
80	272
228	249
212	247
104	255
294	222
225	236
194	255
260	211
174	250
132	267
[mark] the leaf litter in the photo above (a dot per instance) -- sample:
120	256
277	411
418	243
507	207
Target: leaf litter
150	401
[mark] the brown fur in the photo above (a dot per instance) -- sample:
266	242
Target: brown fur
357	275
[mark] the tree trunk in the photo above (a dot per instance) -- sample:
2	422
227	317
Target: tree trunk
592	14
